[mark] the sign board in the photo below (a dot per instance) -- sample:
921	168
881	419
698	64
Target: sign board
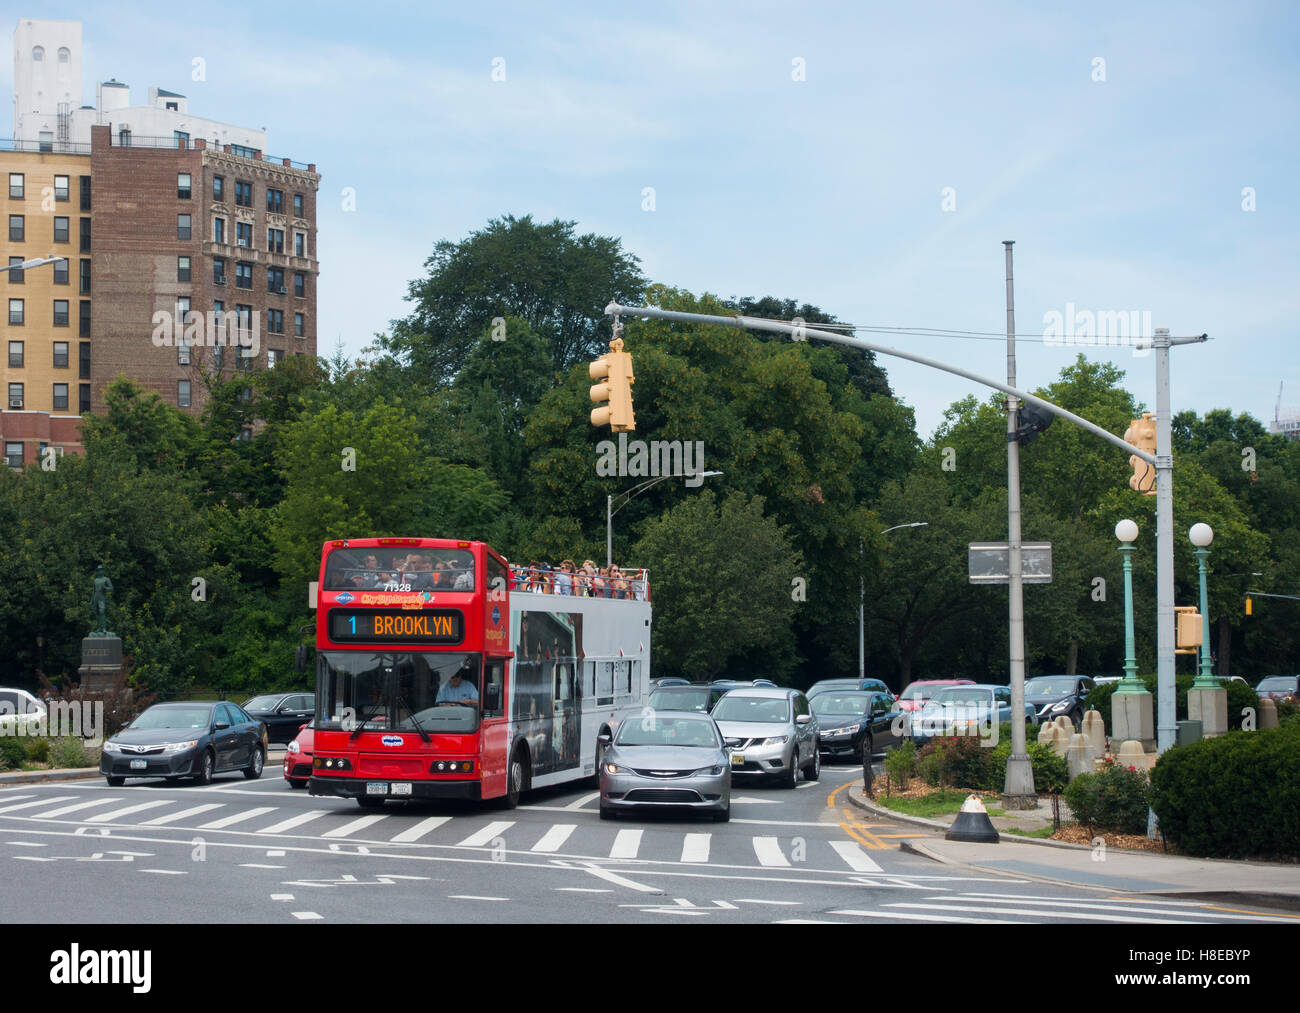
990	562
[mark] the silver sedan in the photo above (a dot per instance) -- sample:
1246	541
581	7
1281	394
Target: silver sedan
668	758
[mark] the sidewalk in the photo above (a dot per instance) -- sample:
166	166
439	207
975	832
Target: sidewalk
1270	884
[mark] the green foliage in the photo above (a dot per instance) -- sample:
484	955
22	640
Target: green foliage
13	752
38	749
1115	798
1288	712
1050	771
69	752
1234	796
900	763
936	803
1240	698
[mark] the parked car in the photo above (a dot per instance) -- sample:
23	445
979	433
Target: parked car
736	683
965	710
771	732
854	723
297	757
282	713
678	759
865	685
687	698
1103	680
19	709
1280	687
914	696
196	739
1054	695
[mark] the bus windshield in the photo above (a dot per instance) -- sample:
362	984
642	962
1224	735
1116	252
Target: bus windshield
422	569
398	691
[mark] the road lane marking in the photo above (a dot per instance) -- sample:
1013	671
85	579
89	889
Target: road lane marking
610	877
282	896
923	918
482	837
856	858
414	833
230	821
1030	912
768	850
73	808
1130	905
307	916
126	811
348	829
695	847
257	865
581	802
294	821
467	896
582	889
167	872
626	844
554	838
159	821
10	798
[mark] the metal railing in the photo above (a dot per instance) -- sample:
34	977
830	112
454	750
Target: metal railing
631	584
49	147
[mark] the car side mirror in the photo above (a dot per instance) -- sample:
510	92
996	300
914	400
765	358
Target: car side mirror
492	697
604	738
221	726
803	719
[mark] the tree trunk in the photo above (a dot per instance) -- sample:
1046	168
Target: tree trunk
1225	644
1072	657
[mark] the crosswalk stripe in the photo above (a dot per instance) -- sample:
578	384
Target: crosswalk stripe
924	918
477	840
554	838
162	821
73	808
419	830
358	824
769	853
33	805
230	821
126	811
695	848
626	844
857	859
293	821
1029	912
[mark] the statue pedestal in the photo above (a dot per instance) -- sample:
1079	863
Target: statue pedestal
101	662
1210	707
1132	718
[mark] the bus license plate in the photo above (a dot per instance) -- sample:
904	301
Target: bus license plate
401	788
376	787
737	760
139	764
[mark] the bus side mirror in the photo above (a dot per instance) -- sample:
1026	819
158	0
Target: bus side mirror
492	697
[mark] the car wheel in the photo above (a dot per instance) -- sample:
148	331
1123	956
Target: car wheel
724	816
206	767
370	801
516	775
254	769
814	770
115	782
791	777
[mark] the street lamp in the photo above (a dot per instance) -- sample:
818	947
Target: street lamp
636	490
39	261
862	597
1127	531
1201	535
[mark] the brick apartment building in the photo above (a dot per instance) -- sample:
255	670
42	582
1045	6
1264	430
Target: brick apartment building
154	226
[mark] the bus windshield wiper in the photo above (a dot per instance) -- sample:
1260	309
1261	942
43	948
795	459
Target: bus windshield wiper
401	700
361	725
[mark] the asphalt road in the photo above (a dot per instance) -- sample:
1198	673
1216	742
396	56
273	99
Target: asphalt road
261	852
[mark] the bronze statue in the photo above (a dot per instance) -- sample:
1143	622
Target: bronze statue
99	602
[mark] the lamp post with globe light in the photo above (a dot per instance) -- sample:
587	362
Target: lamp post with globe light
1201	535
1127	531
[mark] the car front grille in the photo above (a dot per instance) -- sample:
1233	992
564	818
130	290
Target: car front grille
661	795
662	773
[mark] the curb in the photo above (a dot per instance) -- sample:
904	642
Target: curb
39	776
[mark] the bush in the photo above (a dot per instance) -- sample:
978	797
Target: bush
70	752
957	761
13	752
900	763
38	750
1240	696
1288	712
1050	771
929	765
1234	796
1115	798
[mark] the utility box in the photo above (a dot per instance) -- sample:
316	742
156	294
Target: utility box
1188	732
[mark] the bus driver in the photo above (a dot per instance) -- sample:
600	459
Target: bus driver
457	690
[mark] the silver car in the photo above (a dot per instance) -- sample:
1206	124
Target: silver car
669	758
771	732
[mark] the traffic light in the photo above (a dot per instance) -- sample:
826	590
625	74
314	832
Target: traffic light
615	369
1141	433
1032	421
1249	610
1187	629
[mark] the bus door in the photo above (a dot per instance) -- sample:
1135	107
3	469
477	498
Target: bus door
495	727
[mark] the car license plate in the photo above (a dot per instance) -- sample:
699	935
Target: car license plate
139	764
737	760
376	787
401	788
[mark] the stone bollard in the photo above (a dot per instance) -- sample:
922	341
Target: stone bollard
1131	754
1056	738
1064	723
1047	735
1095	730
1267	712
1079	758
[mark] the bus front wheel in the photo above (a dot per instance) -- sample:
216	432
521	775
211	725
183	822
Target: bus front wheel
516	779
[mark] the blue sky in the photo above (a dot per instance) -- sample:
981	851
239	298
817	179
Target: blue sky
1122	194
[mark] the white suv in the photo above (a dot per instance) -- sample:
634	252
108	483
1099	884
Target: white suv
19	708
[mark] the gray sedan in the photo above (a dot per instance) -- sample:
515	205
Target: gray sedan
669	758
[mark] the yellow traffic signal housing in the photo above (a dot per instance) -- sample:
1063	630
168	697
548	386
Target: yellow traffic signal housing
1249	611
1188	630
615	368
1141	433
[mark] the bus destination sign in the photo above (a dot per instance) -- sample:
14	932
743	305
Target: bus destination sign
426	626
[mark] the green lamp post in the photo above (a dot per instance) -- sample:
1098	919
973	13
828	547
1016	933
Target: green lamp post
1127	531
1201	535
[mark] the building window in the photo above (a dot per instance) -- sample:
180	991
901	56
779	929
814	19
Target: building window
83	360
182	226
218	270
60	271
64	54
38	54
219	230
244	234
83	398
182	268
243	275
85	235
182	309
85	193
83	330
275	200
15	395
275	321
60	313
275	240
299	325
85	276
14	455
15	355
275	280
60	229
60	355
182	138
182	186
299	285
17	229
243	152
16	186
16	273
174	106
60	397
273	355
243	194
183	393
15	312
297	204
182	352
62	188
299	244
218	187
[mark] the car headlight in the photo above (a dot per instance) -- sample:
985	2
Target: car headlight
776	740
179	747
111	747
293	747
710	771
1064	705
614	768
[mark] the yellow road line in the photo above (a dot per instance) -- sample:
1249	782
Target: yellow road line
864	841
1239	911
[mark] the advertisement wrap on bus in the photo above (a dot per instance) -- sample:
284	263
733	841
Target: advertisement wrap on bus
438	677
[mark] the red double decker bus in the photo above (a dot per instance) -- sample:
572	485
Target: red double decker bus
436	677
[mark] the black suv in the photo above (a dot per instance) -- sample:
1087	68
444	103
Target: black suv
1055	695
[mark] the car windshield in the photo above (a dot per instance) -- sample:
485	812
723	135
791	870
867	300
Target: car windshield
766	709
828	705
174	717
1049	686
915	692
668	731
960	696
262	703
681	698
1277	682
